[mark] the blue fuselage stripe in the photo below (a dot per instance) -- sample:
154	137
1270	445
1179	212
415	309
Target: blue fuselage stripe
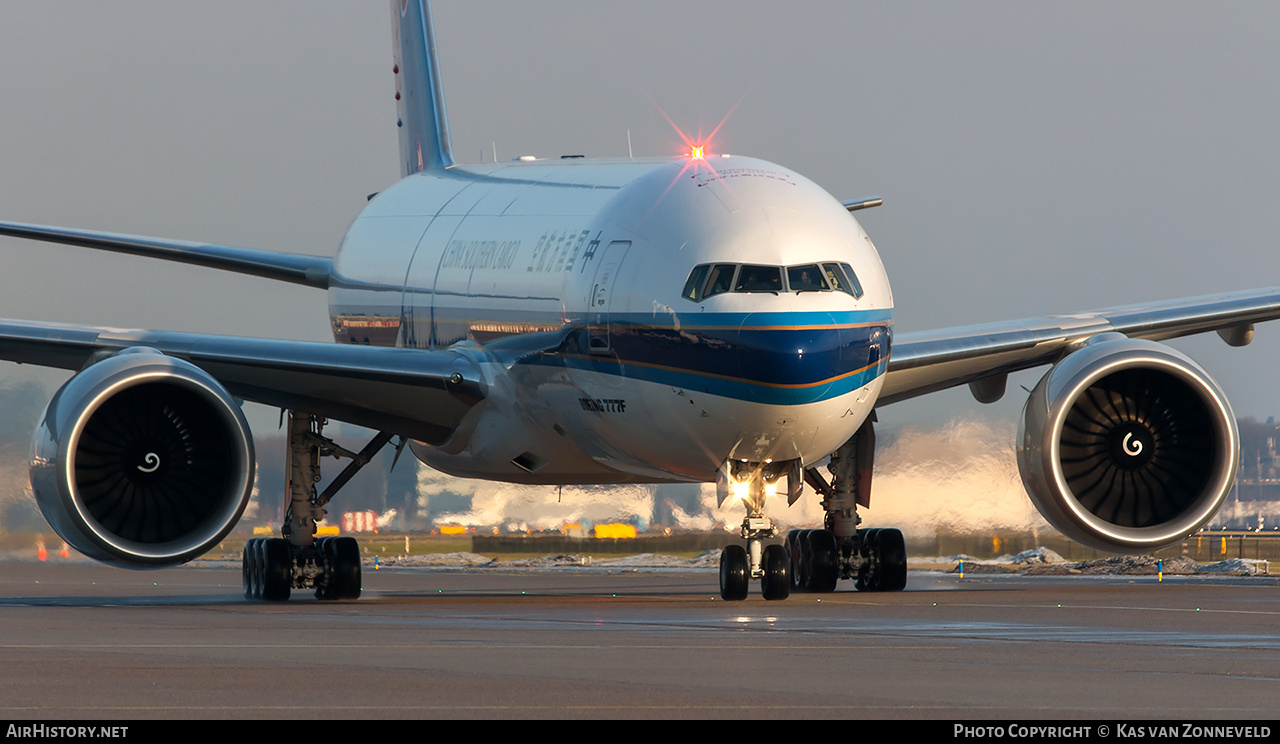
777	358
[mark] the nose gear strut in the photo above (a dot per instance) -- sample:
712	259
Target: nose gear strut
770	563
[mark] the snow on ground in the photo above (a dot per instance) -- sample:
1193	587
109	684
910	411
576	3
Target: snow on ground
1236	565
1044	562
437	559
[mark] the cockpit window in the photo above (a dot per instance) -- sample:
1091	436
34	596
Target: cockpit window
708	280
693	287
853	280
759	279
720	279
835	276
806	278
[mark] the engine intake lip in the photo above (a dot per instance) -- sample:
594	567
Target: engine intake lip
1202	412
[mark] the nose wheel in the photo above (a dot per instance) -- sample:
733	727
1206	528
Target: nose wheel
735	573
775	579
769	563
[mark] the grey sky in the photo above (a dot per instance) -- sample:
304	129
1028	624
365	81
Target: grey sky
1034	157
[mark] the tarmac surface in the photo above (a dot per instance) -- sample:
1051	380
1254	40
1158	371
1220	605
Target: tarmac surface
85	641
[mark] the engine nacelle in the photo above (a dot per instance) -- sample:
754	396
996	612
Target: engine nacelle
1128	445
142	460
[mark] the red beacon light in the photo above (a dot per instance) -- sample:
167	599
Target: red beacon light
697	153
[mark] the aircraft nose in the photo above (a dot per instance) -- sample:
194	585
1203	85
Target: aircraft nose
793	363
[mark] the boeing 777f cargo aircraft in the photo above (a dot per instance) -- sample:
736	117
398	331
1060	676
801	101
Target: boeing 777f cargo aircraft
605	321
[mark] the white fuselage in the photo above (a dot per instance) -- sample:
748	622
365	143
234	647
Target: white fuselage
564	280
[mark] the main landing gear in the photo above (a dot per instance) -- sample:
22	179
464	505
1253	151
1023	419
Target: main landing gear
875	559
273	567
814	560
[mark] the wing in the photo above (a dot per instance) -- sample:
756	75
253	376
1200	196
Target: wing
983	355
312	271
415	393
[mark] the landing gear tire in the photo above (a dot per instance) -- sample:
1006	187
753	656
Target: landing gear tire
267	569
249	568
796	552
277	570
869	543
735	573
326	557
803	562
885	565
775	583
824	561
893	561
341	557
345	581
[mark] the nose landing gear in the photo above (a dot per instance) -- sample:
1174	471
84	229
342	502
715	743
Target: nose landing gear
769	563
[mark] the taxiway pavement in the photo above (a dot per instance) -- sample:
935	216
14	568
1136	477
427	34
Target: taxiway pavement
86	641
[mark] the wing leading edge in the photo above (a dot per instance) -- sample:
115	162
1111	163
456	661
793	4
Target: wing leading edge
924	362
418	394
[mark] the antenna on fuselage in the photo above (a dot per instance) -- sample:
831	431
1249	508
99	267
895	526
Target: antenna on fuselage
423	123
